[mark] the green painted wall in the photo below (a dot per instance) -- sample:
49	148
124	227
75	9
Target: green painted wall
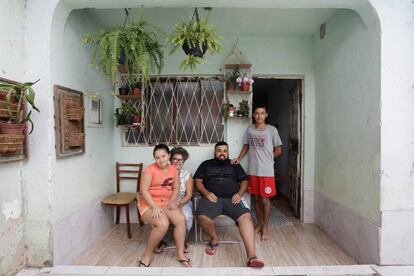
347	97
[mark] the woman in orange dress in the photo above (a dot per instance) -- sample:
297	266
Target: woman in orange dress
158	205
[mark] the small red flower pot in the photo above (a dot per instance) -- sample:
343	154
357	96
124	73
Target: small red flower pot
245	86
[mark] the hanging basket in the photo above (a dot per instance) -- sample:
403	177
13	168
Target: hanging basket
75	140
74	113
195	51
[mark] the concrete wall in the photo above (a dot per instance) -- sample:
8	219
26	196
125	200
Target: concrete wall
347	144
81	181
397	131
12	193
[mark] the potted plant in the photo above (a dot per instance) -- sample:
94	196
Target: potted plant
17	95
244	83
244	108
135	42
126	115
195	37
231	79
136	89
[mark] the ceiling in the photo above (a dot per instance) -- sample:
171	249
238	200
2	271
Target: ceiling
229	21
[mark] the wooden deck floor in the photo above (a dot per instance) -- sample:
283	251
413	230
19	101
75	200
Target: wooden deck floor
297	245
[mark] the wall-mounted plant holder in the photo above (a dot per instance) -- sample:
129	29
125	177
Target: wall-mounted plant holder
13	147
69	121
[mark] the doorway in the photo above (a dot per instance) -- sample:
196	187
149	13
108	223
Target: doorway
283	99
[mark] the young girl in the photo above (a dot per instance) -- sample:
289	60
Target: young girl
158	205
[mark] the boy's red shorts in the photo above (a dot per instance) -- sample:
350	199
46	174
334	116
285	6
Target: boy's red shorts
265	186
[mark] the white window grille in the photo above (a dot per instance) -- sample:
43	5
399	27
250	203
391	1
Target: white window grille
179	110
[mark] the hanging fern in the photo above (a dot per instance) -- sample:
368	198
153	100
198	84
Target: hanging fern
195	34
137	42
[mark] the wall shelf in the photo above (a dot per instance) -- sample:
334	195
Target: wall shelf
238	92
234	66
128	97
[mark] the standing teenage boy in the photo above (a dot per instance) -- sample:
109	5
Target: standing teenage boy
262	142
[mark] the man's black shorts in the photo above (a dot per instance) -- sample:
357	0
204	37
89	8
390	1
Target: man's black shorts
223	206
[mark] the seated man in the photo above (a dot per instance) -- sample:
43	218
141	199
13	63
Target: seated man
222	186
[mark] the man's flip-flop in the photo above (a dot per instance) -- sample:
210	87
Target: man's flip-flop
183	262
255	262
211	248
160	247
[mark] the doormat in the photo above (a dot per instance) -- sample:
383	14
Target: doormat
276	217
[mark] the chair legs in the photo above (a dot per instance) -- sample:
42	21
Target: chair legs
139	217
118	214
127	220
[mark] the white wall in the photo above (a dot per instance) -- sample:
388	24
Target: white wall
347	96
12	214
397	131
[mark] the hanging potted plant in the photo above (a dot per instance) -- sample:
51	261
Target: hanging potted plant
195	37
135	44
14	102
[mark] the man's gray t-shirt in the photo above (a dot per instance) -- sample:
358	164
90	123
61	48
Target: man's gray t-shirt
261	144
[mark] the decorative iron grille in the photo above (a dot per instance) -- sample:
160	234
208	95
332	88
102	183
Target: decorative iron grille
178	110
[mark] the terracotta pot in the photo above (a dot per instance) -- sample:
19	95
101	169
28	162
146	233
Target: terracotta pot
6	128
136	119
245	86
136	91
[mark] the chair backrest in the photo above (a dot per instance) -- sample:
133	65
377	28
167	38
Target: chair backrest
128	171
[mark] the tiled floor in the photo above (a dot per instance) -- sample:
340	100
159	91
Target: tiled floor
296	245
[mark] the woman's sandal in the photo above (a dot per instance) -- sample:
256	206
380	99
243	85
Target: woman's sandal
160	247
187	247
183	262
255	262
140	263
211	248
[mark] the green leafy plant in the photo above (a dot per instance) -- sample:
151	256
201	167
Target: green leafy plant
123	115
136	42
233	75
195	37
244	108
19	93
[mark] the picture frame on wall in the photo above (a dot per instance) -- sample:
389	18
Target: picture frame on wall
95	107
69	122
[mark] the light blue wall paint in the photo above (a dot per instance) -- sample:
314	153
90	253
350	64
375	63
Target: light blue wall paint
278	55
80	179
347	94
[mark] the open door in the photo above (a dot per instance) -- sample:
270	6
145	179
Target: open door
295	130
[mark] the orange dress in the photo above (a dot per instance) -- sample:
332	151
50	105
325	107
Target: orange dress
161	186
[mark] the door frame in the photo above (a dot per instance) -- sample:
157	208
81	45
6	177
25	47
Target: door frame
301	78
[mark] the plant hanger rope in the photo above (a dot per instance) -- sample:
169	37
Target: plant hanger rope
126	16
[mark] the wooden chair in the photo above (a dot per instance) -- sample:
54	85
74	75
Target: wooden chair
125	171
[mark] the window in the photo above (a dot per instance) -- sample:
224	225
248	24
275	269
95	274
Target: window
180	110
